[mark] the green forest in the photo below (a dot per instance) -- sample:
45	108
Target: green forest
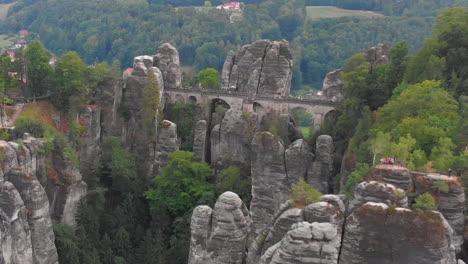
116	31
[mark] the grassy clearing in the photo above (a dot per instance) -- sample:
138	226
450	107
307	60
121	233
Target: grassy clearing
6	42
41	111
4	10
305	132
318	12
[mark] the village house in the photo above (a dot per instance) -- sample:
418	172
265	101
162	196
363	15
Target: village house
230	6
23	33
21	43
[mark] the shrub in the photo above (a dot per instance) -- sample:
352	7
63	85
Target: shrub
303	194
355	178
31	126
441	186
399	193
425	202
5	134
231	179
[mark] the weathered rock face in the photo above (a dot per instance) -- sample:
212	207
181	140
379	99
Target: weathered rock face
263	67
321	172
306	243
145	59
398	176
451	203
287	215
167	143
298	158
333	85
167	60
324	212
379	193
375	233
281	226
284	125
89	145
73	195
37	204
230	140
219	236
269	180
379	54
15	233
199	139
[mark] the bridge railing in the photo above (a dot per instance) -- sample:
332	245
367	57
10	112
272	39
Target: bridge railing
288	99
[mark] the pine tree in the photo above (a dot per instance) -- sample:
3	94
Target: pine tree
152	105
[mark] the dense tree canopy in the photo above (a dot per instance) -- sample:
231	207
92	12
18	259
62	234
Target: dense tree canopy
182	183
38	68
108	30
69	81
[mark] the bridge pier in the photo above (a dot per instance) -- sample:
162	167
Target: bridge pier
318	108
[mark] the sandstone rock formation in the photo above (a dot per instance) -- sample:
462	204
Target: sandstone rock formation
375	233
219	236
310	243
15	233
298	158
90	117
269	179
333	86
320	174
200	139
167	143
167	60
451	203
73	195
378	193
379	54
230	140
398	176
263	67
37	205
287	215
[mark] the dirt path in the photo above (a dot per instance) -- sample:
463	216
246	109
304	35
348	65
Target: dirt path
18	110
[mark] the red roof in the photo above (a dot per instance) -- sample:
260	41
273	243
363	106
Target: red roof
23	33
22	41
129	70
11	53
231	5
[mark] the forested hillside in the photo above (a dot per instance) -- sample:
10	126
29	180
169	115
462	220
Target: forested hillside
132	151
118	30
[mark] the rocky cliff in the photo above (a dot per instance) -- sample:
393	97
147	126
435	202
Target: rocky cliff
263	67
219	235
376	233
26	212
450	200
333	86
320	175
380	227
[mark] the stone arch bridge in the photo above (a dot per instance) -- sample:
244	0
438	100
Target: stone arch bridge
318	108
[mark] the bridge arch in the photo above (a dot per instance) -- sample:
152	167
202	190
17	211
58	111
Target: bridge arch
331	116
302	117
259	108
217	103
192	99
180	99
166	99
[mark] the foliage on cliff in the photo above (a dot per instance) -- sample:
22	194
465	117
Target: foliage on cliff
412	108
182	184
